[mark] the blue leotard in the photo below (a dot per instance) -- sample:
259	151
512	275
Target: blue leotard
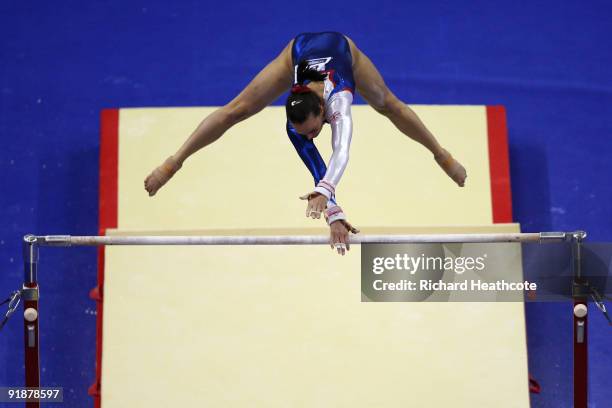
328	52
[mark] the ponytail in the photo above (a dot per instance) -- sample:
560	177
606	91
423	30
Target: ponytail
305	73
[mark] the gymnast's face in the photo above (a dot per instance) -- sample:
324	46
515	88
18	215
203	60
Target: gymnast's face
311	127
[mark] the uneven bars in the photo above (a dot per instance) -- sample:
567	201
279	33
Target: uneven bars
69	240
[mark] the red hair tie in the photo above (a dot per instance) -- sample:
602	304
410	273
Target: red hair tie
298	89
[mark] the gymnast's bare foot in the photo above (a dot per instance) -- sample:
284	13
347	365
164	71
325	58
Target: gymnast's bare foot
160	175
452	167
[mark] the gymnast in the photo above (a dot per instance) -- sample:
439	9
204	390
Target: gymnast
323	70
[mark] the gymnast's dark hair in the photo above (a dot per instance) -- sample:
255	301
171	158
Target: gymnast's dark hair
302	101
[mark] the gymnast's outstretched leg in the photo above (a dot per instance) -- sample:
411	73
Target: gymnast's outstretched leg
269	84
372	88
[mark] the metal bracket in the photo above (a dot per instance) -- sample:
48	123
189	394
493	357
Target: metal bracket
28	293
578	236
563	236
30	259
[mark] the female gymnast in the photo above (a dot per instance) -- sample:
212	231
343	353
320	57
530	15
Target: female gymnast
322	70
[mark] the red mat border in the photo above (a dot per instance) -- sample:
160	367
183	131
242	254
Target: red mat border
108	208
499	165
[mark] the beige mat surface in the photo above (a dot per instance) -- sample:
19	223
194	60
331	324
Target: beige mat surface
284	327
252	177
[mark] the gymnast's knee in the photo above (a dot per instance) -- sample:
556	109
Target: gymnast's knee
237	111
388	105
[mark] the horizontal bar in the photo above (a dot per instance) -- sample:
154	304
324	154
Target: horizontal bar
68	240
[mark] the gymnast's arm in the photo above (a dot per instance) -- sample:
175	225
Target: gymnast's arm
310	155
339	117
